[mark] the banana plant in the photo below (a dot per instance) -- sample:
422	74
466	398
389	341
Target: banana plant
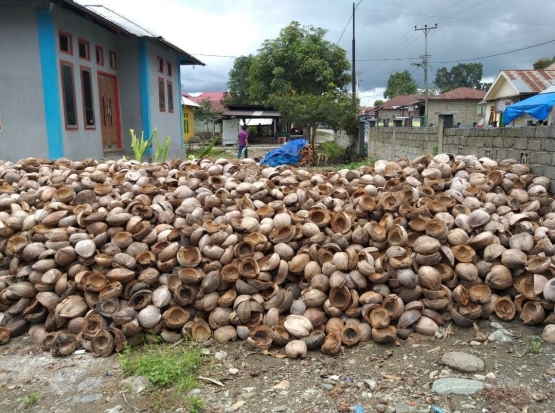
161	152
139	146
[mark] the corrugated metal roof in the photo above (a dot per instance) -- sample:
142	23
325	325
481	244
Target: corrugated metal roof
188	102
115	21
214	97
530	81
252	114
121	21
461	93
400	101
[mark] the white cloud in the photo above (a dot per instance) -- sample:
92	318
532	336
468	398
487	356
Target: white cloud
368	97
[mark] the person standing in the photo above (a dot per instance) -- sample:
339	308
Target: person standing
243	142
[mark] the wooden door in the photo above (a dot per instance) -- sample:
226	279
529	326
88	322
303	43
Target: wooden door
109	113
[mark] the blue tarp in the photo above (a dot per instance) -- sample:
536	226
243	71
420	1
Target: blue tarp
287	154
537	106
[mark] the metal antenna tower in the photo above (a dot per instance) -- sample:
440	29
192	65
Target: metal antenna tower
425	59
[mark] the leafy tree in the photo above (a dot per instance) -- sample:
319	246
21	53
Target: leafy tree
400	83
299	60
207	114
543	62
461	75
485	85
378	102
239	82
304	77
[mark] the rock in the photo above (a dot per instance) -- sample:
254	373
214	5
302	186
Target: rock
233	371
475	343
115	409
283	385
457	386
403	408
89	398
327	386
220	355
205	352
372	384
279	409
490	375
549	333
380	408
501	336
195	392
140	383
479	377
468	406
463	362
238	405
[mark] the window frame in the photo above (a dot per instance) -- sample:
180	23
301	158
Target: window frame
186	121
69	42
168	68
81	70
161	96
111	54
88	48
69	64
101	49
169	88
159	64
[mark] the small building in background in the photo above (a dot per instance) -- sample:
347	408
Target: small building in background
512	86
408	109
215	98
188	107
463	102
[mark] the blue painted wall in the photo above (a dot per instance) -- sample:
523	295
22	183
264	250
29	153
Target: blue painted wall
50	82
145	91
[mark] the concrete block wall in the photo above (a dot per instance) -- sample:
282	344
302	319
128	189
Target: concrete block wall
394	143
534	145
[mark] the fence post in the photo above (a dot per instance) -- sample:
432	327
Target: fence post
440	130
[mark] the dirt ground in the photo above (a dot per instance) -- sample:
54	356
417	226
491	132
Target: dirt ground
372	377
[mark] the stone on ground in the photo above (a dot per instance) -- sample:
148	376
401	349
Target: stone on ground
462	362
457	386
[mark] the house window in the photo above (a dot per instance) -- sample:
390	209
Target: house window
168	68
65	42
88	106
99	56
84	49
170	96
113	61
161	95
68	93
160	64
480	110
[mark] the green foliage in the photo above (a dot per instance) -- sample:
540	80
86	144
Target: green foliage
461	75
206	112
298	61
164	365
140	146
207	150
30	400
161	152
196	405
435	150
333	150
400	83
378	102
239	82
536	346
252	131
543	62
358	164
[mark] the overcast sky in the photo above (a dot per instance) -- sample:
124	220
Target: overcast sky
467	29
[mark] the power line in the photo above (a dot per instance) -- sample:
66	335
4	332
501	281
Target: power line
498	54
214	55
200	80
461	18
347	25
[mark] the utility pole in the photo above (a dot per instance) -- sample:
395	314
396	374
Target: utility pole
354	70
425	59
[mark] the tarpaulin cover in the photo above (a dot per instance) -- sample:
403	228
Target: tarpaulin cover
537	106
287	154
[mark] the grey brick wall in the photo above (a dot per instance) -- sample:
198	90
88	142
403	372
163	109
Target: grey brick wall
536	144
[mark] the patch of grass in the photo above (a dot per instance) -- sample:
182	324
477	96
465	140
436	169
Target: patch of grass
358	164
435	150
163	364
196	405
536	346
30	400
499	396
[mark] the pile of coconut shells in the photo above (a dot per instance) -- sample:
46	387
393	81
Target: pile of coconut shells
95	254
